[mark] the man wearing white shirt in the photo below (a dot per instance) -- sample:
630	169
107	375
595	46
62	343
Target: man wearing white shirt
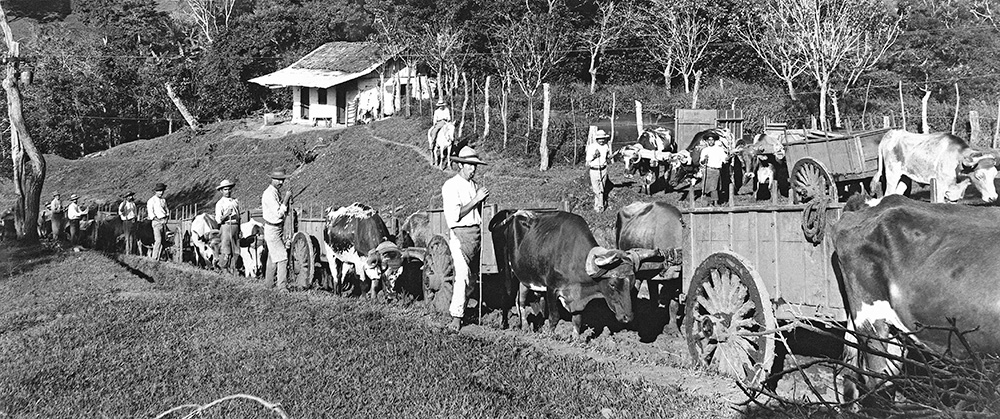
442	116
74	214
127	213
157	213
56	213
273	208
598	155
227	214
463	202
713	157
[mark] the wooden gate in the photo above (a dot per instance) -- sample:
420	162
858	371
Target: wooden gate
688	122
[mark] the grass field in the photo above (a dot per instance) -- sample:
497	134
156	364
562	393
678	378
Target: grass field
85	335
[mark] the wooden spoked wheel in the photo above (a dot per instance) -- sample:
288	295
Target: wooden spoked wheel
727	310
302	260
811	179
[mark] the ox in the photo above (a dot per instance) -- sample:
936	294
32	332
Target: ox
555	252
415	231
922	157
903	262
252	248
350	233
656	139
762	160
205	238
441	144
654	225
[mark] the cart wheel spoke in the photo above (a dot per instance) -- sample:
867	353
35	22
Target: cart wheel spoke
727	308
811	179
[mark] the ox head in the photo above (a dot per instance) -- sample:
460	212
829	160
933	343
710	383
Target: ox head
981	169
614	271
209	249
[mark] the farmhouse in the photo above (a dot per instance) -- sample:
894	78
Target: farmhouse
346	83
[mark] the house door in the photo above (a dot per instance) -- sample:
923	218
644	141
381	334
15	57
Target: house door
342	104
304	103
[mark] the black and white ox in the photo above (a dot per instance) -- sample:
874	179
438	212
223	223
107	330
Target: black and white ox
555	253
252	248
350	233
657	139
903	262
941	156
206	240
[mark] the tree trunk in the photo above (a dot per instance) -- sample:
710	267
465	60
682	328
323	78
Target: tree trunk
486	107
397	96
975	133
687	81
902	106
996	130
593	71
666	78
835	101
791	89
465	103
924	125
454	81
638	117
543	145
409	90
614	104
29	165
441	79
504	95
193	123
954	121
694	94
824	91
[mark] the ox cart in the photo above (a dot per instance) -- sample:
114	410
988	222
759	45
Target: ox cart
831	164
748	267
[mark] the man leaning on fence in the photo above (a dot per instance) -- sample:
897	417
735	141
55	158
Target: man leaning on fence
156	211
127	213
273	208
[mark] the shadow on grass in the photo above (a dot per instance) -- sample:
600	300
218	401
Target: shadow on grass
118	259
17	258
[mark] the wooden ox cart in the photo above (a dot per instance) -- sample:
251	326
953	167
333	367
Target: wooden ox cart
831	164
745	268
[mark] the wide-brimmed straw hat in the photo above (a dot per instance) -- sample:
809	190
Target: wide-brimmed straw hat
160	187
73	197
128	194
278	173
55	193
467	155
601	134
225	184
441	103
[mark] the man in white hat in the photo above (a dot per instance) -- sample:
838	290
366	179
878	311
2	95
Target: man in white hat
157	213
273	209
74	213
127	212
227	214
442	116
56	213
598	157
463	203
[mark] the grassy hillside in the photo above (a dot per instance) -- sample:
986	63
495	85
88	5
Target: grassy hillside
335	168
82	335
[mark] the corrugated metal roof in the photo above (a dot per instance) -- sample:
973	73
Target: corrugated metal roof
330	64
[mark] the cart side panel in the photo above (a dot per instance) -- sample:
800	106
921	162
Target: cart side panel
869	142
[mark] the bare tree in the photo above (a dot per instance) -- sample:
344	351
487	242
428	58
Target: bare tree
838	40
29	165
771	38
613	22
688	30
443	44
211	16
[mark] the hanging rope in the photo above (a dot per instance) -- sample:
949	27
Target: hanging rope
814	219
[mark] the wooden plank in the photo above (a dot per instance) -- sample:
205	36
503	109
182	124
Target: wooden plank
688	122
487	255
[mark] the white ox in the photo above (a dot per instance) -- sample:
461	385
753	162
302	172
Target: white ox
252	248
205	238
922	157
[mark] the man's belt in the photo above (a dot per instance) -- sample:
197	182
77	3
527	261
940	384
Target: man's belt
281	224
233	222
598	168
461	227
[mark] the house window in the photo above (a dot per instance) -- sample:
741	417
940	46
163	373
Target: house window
321	100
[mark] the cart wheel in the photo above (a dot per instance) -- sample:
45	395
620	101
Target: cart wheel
810	179
302	255
726	305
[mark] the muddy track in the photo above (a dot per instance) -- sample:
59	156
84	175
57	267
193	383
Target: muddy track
418	150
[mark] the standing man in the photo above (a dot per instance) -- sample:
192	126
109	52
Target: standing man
75	214
442	116
463	202
273	208
712	157
227	213
127	212
598	155
56	212
156	211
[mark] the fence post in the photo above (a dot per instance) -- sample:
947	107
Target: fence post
886	123
934	191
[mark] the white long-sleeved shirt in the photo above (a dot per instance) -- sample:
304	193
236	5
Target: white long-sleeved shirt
73	211
455	193
442	114
273	211
126	210
714	156
156	208
227	209
597	155
56	205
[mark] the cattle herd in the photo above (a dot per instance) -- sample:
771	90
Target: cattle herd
900	262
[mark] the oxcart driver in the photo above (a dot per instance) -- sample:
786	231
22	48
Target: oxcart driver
273	209
598	155
157	212
713	157
127	213
442	116
227	214
463	202
75	214
56	216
